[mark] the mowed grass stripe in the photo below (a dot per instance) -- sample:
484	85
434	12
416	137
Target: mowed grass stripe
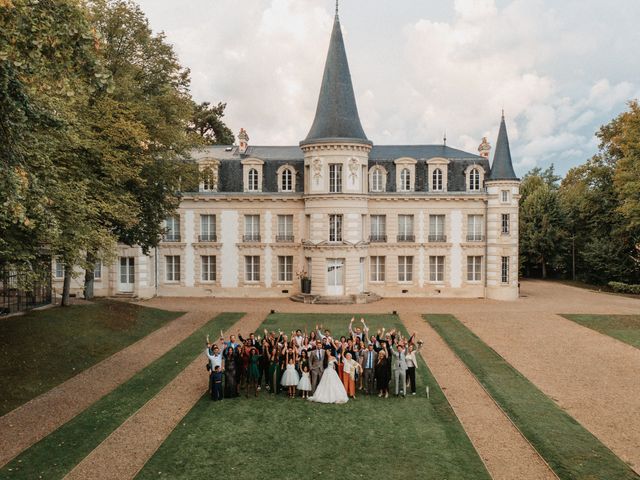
55	455
277	437
569	449
625	328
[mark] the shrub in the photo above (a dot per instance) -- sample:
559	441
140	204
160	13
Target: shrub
620	287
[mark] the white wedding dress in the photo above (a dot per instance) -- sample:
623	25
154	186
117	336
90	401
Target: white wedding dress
330	389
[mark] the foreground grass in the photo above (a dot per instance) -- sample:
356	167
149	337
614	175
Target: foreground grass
42	349
625	328
571	450
277	437
55	455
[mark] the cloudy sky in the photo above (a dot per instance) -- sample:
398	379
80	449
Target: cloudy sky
560	69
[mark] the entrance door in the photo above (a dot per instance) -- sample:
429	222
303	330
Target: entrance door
127	275
335	276
362	275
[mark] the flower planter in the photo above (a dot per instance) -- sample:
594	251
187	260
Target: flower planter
305	285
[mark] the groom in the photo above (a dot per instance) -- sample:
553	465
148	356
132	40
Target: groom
316	365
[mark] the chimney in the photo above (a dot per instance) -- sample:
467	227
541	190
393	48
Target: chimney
484	148
244	141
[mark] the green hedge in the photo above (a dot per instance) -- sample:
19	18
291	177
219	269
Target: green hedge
620	287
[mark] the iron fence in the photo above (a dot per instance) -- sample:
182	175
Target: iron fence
20	291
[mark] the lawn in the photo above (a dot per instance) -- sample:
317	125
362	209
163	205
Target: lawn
625	328
58	453
277	437
570	449
44	348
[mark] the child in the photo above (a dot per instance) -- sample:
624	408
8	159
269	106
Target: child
216	384
304	385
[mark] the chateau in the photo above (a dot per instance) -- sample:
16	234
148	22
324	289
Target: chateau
359	220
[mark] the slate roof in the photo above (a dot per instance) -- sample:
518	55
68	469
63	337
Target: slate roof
502	168
337	113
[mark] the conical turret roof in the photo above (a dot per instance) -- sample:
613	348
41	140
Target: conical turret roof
502	167
337	113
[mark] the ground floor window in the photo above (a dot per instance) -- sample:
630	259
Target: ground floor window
97	271
285	269
173	268
208	268
405	269
505	269
59	271
377	269
436	269
474	269
252	268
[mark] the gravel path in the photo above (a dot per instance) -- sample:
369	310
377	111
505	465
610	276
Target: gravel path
128	448
29	423
503	449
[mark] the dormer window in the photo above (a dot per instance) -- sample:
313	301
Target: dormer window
405	180
286	179
436	180
474	180
405	174
253	180
209	175
377	179
252	174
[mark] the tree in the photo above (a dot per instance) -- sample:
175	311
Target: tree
208	125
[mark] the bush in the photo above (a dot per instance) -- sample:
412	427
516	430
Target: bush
620	287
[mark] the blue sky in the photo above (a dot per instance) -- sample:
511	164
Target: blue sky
419	67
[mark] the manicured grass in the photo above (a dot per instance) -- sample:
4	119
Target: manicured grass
44	348
55	455
281	438
571	450
625	328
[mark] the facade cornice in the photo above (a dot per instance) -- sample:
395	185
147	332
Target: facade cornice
243	197
336	145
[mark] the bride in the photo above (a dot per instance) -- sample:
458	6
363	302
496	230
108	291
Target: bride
330	389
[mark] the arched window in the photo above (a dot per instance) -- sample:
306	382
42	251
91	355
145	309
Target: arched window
377	180
253	180
436	182
287	180
474	180
405	180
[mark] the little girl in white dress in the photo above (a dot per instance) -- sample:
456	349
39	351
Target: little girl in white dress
290	378
304	385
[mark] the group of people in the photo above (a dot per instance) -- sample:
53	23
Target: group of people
314	365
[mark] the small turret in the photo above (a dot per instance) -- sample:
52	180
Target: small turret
502	167
243	137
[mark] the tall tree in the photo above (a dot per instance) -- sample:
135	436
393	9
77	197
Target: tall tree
207	123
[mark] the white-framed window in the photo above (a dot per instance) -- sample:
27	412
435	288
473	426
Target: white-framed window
208	263
378	228
436	268
505	270
506	223
208	228
335	228
474	228
208	184
474	180
405	180
285	269
97	270
504	196
405	228
286	180
254	180
335	178
172	263
172	227
436	180
59	270
252	268
436	228
405	269
377	180
251	228
285	228
474	268
377	269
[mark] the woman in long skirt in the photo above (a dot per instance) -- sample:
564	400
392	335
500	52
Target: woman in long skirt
274	370
230	373
253	371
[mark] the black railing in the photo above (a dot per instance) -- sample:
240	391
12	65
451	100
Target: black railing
20	292
475	238
284	238
171	238
406	238
211	237
253	238
437	238
378	239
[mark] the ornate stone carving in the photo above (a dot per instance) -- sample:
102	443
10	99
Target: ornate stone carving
353	169
317	169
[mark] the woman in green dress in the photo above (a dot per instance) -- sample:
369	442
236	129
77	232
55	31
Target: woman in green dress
253	372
